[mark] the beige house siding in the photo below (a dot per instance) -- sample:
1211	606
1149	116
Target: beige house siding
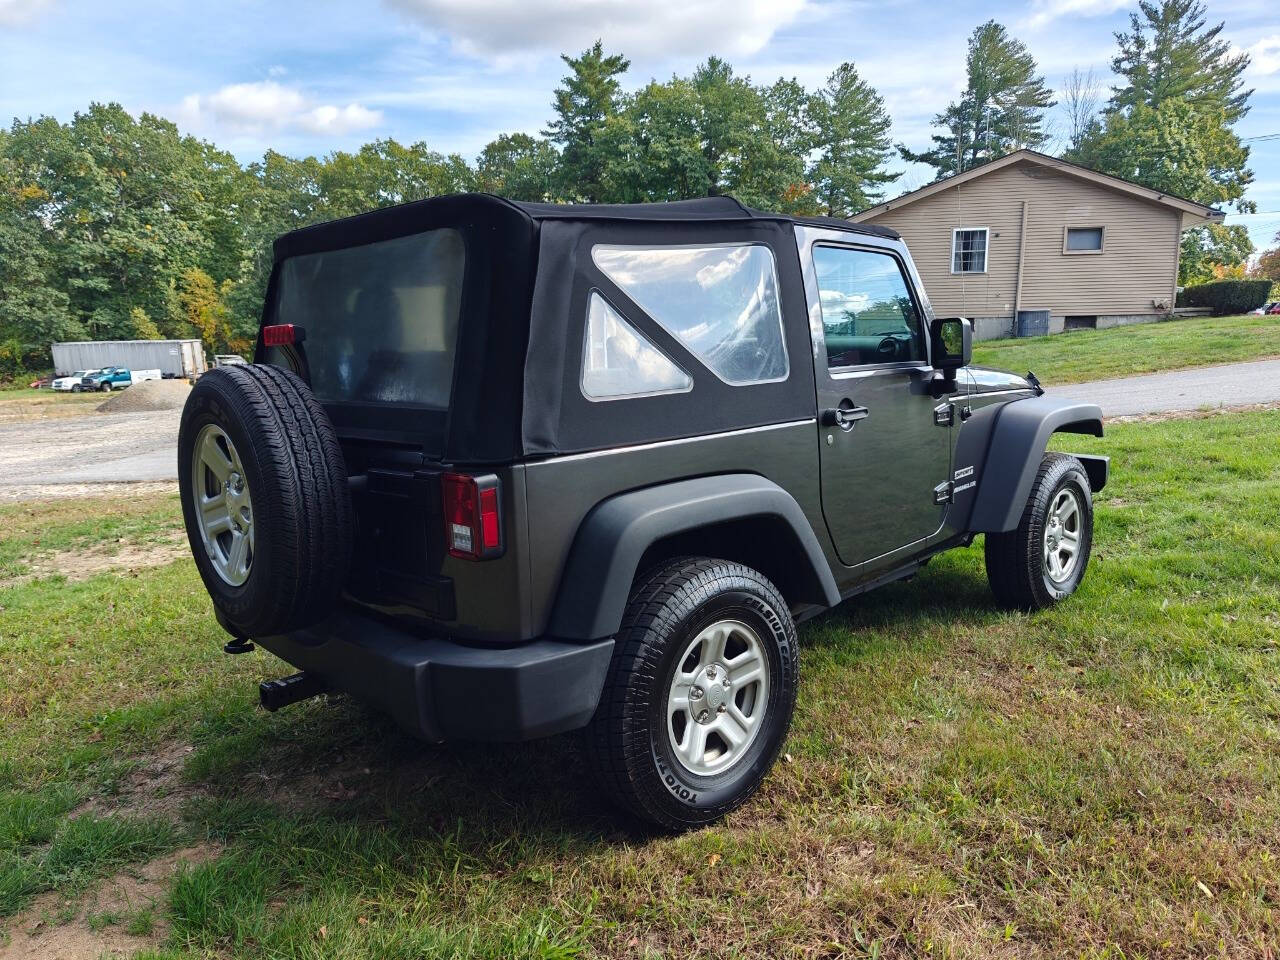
1137	268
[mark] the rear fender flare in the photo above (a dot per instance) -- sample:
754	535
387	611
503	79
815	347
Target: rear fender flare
614	536
1019	439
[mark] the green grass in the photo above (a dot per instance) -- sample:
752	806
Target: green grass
1084	355
1099	780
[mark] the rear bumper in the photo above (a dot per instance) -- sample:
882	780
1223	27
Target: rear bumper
442	690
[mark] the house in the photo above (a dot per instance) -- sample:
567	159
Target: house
1027	234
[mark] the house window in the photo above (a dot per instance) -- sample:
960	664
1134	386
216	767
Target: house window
969	250
1082	240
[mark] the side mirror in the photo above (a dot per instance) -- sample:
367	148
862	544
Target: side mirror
951	342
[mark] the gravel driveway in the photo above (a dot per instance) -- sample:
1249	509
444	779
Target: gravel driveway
88	454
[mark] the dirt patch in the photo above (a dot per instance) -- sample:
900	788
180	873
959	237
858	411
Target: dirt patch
155	789
117	918
64	491
148	396
1193	414
127	558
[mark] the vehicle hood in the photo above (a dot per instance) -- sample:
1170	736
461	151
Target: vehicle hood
988	380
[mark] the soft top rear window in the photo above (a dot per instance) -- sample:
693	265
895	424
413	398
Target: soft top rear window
381	319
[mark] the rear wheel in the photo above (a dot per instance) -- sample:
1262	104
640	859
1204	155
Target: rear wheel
1044	559
699	695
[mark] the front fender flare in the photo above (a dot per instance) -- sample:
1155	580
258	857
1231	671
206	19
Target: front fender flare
613	537
1019	439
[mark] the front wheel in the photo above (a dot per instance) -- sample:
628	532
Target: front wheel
699	695
1044	559
105	388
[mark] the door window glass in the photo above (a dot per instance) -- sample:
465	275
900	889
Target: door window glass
618	361
721	302
868	315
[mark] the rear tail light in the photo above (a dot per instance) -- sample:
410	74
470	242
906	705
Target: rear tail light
472	516
282	335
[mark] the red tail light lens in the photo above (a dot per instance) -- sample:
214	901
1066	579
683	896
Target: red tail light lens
472	516
281	335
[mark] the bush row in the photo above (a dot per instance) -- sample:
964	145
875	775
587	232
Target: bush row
1227	296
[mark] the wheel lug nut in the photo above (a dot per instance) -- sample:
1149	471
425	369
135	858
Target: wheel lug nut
711	673
703	717
720	709
695	693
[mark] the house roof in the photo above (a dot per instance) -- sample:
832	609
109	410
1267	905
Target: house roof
1193	213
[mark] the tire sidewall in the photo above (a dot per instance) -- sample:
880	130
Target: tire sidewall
1070	476
208	405
683	791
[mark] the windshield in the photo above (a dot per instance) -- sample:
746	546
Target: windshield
381	319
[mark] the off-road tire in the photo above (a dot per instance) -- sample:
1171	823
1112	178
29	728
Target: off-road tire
1015	560
297	478
627	742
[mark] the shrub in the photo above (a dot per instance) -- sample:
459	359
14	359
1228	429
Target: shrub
1227	296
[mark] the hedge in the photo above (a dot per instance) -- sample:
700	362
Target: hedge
1227	296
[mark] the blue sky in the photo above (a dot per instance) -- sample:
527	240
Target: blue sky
309	77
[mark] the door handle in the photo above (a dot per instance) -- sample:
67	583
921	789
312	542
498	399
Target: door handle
844	417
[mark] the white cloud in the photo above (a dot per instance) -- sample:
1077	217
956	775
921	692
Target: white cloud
269	106
13	12
1045	12
659	27
1264	56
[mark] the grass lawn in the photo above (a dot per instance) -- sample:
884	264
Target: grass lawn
1100	780
30	404
1143	348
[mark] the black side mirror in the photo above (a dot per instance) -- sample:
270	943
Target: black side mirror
952	342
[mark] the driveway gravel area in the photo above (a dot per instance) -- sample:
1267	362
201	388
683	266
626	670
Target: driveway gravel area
92	454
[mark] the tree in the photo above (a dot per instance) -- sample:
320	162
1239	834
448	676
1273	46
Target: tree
518	167
203	307
1209	253
851	134
1001	110
1169	54
708	134
1267	266
143	328
584	102
1082	96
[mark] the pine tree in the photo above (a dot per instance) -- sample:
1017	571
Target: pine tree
851	133
1001	110
586	99
1169	54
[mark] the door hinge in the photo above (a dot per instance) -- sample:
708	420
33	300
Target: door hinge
944	492
944	414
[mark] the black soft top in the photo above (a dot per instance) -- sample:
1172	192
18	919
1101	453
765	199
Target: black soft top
406	218
528	279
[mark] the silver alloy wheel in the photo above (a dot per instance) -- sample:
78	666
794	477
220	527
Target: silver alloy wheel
224	510
1062	532
718	697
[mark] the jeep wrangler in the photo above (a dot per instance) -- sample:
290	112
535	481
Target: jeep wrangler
505	470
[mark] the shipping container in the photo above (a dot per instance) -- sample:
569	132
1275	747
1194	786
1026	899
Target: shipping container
175	358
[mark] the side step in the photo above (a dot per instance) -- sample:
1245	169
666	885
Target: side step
275	694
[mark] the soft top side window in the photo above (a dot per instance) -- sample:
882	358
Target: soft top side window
720	301
619	361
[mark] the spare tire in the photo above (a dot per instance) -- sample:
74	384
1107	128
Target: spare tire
264	498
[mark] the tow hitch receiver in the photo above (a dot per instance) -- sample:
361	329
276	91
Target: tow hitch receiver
280	693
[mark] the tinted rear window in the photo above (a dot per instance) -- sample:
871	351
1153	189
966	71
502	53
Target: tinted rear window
381	319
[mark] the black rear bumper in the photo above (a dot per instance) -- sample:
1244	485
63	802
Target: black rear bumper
443	690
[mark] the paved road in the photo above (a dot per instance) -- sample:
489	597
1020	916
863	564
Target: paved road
1229	385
